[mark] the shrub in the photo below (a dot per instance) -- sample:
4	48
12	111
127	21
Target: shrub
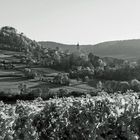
114	86
135	85
123	86
111	86
23	88
30	73
62	92
99	86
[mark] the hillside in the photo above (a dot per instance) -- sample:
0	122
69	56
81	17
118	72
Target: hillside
12	40
126	49
53	45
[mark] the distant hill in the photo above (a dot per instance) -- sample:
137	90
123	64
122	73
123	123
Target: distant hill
125	49
53	45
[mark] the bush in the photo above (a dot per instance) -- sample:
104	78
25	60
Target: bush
114	86
62	92
30	73
135	85
111	86
99	86
123	86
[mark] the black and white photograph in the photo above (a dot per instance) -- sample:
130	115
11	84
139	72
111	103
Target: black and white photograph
69	69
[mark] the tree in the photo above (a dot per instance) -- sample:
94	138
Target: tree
23	88
29	73
93	59
62	79
99	85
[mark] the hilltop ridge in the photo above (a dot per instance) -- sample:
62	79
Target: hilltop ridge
121	49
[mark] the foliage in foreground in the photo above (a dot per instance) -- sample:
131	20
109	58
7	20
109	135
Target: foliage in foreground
106	117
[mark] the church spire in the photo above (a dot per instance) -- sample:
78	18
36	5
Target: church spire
78	47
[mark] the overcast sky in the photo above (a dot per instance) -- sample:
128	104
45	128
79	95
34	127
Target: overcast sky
72	21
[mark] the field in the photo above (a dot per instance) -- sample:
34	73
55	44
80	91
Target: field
10	79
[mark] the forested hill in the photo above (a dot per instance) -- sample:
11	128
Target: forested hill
11	39
126	49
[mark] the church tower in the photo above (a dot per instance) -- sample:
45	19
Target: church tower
78	47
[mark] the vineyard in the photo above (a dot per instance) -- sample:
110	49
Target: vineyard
103	117
53	94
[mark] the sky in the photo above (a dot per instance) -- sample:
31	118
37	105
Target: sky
72	21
